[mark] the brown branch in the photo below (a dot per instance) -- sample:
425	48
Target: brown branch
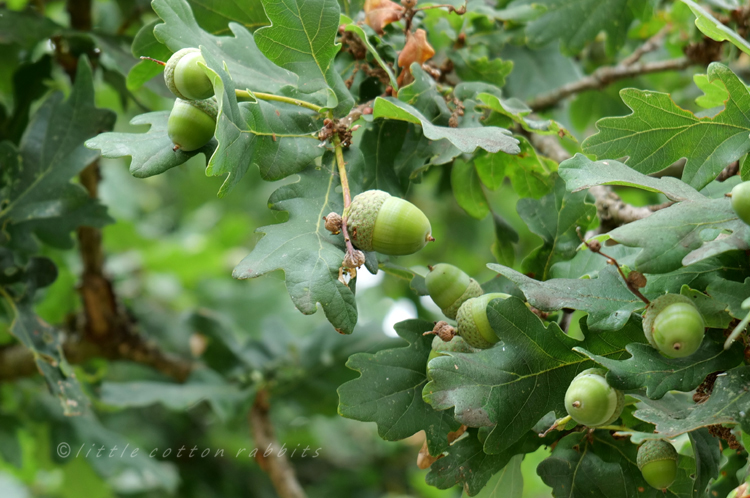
276	465
604	76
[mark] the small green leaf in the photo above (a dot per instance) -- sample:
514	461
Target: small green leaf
467	189
491	139
714	311
508	483
658	374
715	29
714	93
732	293
351	27
389	391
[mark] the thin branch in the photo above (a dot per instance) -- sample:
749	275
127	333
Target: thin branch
276	464
604	76
346	192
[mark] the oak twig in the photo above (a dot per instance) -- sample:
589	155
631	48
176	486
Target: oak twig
276	465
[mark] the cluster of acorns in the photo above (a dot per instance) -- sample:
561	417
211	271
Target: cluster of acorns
672	324
192	122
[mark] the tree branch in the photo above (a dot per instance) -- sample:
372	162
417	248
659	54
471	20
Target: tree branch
276	466
604	76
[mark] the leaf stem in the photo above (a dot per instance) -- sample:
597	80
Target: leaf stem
737	331
278	98
346	191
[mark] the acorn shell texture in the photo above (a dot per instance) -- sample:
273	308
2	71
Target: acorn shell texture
657	461
473	324
185	78
591	401
377	221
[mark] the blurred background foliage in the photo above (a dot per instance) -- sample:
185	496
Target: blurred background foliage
170	253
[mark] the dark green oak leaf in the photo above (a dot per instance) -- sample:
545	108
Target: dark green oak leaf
250	69
658	374
580	172
302	39
489	138
729	403
512	385
389	391
152	152
683	234
577	22
467	189
554	218
215	16
36	194
658	132
732	293
17	289
596	465
309	255
606	299
467	464
279	138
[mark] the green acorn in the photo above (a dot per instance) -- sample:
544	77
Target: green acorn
185	78
440	347
591	401
449	288
673	325
473	324
741	201
192	123
657	460
377	221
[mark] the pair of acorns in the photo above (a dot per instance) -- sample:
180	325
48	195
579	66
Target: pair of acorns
192	122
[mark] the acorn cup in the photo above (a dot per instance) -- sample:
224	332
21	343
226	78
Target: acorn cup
192	123
185	78
449	288
673	325
473	324
657	461
591	401
377	221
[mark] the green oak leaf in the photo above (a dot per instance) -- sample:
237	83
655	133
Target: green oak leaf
473	64
588	264
529	173
26	28
468	465
146	44
658	132
491	138
380	144
577	22
683	234
554	218
714	93
302	39
508	483
467	189
518	112
309	255
715	29
699	275
732	293
512	385
606	299
714	311
250	69
357	30
658	374
18	285
151	153
215	16
580	172
394	378
729	403
277	137
708	458
36	194
597	465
